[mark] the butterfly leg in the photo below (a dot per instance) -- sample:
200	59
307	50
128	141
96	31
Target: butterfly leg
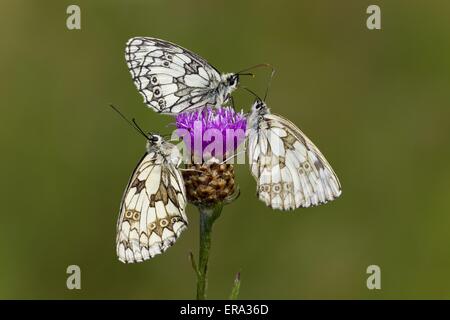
233	156
232	102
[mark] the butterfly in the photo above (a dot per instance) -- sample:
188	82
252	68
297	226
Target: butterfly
289	169
152	211
173	79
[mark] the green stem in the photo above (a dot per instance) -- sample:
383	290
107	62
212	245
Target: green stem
207	217
236	286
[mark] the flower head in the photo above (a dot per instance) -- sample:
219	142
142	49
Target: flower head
211	136
212	133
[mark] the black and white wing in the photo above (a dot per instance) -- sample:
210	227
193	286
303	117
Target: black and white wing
170	78
152	211
289	169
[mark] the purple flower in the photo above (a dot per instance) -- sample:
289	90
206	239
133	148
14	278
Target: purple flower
212	132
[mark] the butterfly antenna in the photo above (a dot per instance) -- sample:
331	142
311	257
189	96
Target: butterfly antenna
131	123
251	92
138	127
261	65
269	83
167	136
246	74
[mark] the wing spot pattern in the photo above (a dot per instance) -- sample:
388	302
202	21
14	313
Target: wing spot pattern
276	188
162	103
163	223
157	62
288	186
304	175
132	215
157	92
151	221
128	214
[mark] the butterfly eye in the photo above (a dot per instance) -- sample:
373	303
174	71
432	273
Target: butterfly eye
156	139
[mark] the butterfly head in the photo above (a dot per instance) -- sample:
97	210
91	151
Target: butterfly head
154	139
157	143
259	107
231	81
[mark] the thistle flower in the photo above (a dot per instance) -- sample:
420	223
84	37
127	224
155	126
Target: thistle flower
224	126
212	137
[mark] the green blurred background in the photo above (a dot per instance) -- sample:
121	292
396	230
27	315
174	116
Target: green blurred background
375	102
